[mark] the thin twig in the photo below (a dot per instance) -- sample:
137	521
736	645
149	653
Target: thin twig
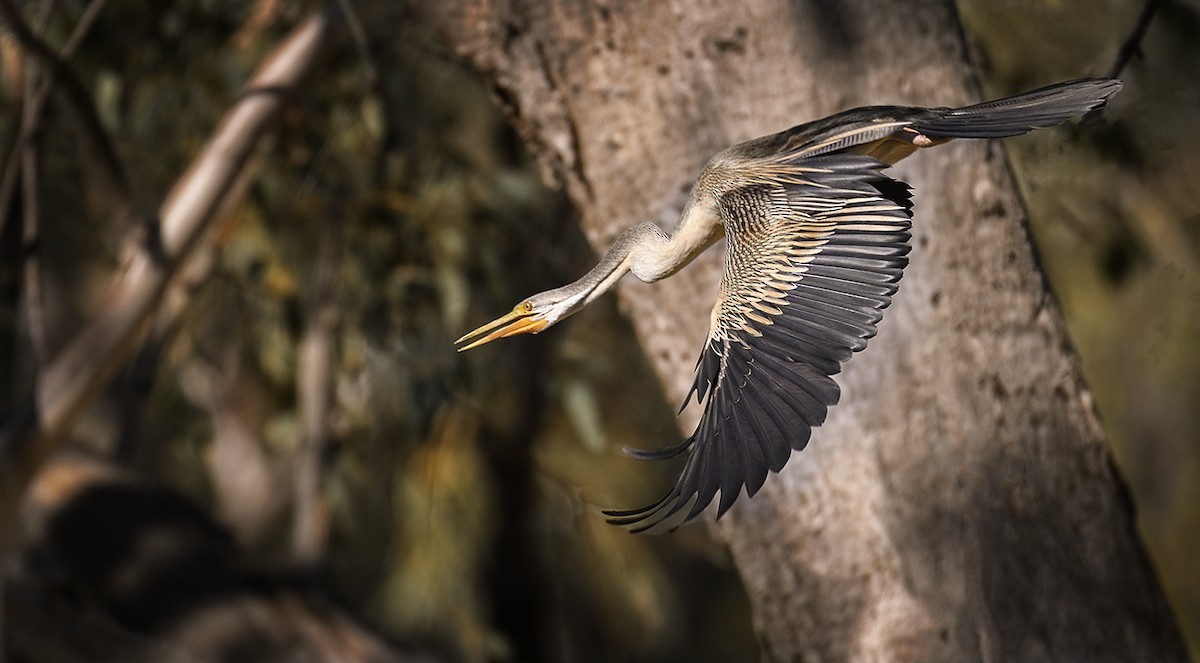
354	24
32	288
138	375
370	85
1130	49
86	20
36	104
30	197
1133	44
79	99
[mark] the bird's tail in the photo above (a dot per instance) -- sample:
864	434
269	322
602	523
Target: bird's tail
1011	116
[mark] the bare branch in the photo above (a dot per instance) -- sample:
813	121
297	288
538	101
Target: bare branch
86	20
138	374
315	359
78	97
1131	48
88	362
31	228
35	104
31	215
1133	43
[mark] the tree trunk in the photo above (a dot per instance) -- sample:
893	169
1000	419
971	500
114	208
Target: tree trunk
960	502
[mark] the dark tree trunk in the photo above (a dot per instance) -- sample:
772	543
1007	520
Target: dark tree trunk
960	503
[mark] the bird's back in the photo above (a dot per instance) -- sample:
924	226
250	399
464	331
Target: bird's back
862	127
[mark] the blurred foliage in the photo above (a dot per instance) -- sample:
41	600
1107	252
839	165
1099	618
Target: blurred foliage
452	483
460	490
1117	223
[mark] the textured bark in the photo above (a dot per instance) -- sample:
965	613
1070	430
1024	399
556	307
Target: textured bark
960	503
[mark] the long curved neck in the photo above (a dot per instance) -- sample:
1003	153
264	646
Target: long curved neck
612	266
650	253
657	256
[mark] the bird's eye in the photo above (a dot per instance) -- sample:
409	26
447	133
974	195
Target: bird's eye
527	307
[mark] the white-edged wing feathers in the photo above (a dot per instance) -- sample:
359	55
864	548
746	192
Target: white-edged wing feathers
813	257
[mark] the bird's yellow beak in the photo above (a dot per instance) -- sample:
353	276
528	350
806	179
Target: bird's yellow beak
519	321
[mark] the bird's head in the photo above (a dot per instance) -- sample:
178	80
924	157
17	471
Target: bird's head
530	316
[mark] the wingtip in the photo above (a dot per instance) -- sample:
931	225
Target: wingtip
657	454
1108	87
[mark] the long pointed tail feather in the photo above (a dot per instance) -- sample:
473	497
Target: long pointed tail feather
1011	116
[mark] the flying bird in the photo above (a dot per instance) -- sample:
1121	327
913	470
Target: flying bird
817	239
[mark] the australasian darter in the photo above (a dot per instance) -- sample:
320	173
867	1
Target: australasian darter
817	239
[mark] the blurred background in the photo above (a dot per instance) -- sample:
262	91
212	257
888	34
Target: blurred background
298	435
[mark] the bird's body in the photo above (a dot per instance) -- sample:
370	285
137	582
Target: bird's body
816	241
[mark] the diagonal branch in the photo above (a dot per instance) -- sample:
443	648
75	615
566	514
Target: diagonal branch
1133	43
29	159
58	70
32	117
73	379
88	361
86	20
1132	47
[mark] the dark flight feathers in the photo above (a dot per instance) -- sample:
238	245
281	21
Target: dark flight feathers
844	229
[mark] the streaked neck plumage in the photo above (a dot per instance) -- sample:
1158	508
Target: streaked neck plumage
649	253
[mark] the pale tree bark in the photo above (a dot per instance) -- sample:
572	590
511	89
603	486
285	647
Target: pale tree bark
960	503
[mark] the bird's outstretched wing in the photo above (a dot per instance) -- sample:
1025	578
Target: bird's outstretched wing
817	239
814	251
